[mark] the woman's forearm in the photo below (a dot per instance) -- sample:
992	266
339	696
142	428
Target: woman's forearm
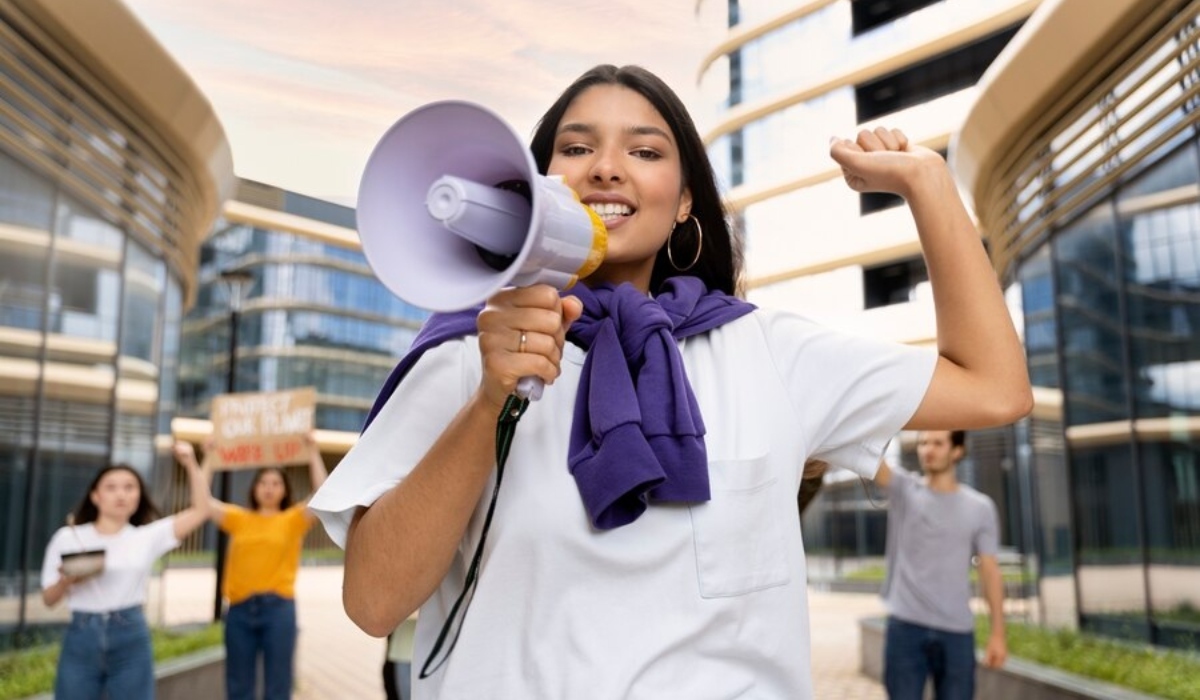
974	328
54	594
399	549
198	488
198	511
316	466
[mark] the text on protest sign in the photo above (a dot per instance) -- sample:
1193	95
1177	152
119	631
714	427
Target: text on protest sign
262	429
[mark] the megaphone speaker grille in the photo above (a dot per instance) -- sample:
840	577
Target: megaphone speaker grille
411	252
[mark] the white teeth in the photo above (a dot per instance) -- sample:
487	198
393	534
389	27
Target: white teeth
608	210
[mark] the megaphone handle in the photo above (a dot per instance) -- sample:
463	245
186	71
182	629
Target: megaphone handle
530	388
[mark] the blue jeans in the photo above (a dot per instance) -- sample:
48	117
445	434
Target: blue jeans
914	653
262	625
106	655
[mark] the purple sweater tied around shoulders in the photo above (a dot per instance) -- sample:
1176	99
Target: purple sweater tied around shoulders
637	434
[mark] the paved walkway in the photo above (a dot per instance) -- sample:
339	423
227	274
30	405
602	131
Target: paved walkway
334	658
337	660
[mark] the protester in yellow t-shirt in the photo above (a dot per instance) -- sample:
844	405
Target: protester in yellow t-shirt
260	576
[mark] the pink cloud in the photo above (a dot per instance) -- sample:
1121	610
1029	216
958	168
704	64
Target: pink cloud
338	73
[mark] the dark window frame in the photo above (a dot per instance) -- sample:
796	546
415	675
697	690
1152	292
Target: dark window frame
883	284
866	15
930	79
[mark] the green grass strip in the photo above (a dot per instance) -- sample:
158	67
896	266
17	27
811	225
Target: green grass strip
1146	669
31	671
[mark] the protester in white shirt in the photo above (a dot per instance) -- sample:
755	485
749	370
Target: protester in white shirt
646	542
106	651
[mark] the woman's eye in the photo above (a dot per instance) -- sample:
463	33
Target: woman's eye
646	154
573	150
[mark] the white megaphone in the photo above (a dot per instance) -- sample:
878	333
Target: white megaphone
452	208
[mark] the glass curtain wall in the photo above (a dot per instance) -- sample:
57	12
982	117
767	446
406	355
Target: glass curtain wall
315	316
1112	306
88	290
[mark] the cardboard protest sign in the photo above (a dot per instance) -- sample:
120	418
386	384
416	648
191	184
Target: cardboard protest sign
262	429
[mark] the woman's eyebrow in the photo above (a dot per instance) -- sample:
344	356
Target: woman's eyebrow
576	128
581	128
648	131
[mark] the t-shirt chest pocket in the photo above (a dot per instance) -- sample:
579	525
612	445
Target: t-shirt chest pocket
740	545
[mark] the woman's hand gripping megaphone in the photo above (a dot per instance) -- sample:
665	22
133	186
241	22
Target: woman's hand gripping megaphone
566	247
522	333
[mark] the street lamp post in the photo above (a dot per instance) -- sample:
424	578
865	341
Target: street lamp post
238	283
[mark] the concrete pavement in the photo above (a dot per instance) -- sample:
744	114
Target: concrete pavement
337	660
334	659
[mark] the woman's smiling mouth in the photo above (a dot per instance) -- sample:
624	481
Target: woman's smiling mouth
610	211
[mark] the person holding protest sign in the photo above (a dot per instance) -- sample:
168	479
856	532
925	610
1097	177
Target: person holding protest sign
260	574
100	562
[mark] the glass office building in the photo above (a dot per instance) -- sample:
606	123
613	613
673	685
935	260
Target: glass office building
112	168
1081	153
314	316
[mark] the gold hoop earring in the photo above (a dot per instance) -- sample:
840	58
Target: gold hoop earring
699	245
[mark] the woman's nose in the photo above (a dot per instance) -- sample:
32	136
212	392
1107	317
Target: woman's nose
606	169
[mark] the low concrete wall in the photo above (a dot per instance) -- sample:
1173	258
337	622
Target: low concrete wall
197	675
871	631
200	674
1018	678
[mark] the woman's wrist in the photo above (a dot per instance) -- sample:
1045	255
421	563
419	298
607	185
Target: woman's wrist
484	404
932	179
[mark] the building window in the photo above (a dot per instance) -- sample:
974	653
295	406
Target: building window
930	79
893	283
26	198
737	159
868	14
735	78
871	202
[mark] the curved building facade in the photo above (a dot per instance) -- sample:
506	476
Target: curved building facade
112	168
1082	155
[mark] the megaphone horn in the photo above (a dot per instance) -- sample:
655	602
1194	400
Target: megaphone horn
451	209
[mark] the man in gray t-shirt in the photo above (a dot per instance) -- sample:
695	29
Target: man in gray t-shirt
935	525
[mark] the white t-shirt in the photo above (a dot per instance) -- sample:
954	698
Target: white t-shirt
700	601
128	558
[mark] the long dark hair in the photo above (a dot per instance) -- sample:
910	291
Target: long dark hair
720	263
287	487
87	512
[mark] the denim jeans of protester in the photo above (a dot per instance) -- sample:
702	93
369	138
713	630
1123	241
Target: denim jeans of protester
914	653
260	626
106	655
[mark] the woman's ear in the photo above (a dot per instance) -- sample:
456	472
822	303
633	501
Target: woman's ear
685	205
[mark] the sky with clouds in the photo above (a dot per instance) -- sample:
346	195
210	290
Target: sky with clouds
305	88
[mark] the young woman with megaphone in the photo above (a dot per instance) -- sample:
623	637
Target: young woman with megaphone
647	543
